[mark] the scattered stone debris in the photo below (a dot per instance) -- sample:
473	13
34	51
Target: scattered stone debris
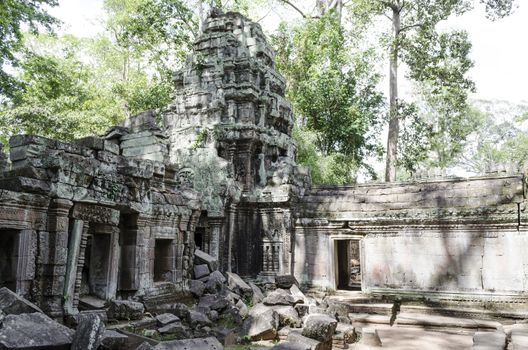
34	331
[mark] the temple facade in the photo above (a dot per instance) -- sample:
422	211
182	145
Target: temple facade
121	215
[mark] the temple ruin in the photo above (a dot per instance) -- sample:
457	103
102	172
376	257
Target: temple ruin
121	215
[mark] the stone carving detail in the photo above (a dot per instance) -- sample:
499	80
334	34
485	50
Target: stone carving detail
186	178
94	213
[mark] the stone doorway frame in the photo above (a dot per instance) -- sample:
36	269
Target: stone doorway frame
332	250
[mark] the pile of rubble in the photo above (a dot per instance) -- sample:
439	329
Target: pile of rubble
218	310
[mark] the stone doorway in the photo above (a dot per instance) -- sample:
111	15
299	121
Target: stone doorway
348	264
99	271
8	259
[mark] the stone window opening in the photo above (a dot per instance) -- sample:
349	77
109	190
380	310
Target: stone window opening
164	260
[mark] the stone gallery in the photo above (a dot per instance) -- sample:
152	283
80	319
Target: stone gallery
126	215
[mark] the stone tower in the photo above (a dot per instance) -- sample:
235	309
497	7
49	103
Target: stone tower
229	127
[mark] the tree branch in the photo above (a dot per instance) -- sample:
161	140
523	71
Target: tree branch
182	18
410	26
294	7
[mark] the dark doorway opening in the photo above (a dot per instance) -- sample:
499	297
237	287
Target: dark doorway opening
8	259
202	233
199	234
348	265
163	260
96	267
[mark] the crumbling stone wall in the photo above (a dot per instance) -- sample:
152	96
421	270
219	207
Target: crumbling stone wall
113	194
457	238
230	126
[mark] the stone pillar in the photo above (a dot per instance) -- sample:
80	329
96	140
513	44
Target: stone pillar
113	263
215	225
74	248
80	262
25	250
144	253
53	253
231	212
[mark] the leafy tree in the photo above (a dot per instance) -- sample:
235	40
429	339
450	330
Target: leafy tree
413	23
58	98
496	141
13	14
334	95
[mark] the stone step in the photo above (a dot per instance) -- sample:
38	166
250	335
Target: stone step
371	308
426	321
90	302
405	318
463	312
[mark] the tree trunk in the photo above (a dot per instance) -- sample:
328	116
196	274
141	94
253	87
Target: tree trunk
394	125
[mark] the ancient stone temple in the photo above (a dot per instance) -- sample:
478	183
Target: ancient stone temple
229	129
121	215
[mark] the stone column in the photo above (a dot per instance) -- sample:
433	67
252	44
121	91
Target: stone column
25	256
231	212
215	225
53	253
80	262
74	248
113	263
144	253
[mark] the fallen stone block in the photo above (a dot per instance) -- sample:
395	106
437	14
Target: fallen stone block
279	297
319	327
13	304
166	318
89	332
179	309
297	294
112	340
214	302
197	288
34	331
209	343
288	316
176	330
215	283
312	344
201	257
261	324
242	308
237	284
201	271
285	281
198	319
258	296
125	310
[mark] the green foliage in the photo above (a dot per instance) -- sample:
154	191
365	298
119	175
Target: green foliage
59	99
496	142
436	125
438	64
333	91
333	169
14	14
